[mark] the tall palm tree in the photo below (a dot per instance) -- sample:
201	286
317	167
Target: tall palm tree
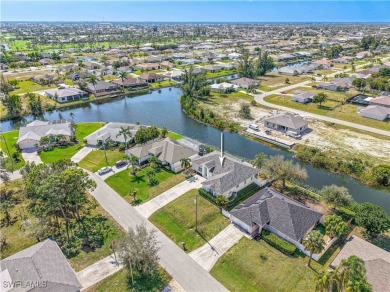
150	174
185	162
122	75
133	193
93	80
126	133
352	271
133	160
314	243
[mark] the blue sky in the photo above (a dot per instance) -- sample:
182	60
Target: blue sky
186	11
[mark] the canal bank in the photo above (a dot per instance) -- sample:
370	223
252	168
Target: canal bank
163	109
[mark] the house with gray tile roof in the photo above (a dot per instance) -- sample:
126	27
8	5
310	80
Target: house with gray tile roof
167	151
376	260
30	135
226	179
41	267
110	131
287	123
272	211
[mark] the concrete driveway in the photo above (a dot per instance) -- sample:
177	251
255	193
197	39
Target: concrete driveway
81	154
208	254
148	208
31	156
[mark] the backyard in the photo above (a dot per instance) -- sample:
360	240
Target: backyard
256	266
29	86
122	182
177	220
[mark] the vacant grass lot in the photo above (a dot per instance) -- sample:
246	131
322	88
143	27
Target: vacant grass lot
220	98
122	182
335	95
82	131
29	86
346	112
96	159
274	81
221	73
177	220
17	238
9	139
256	266
121	281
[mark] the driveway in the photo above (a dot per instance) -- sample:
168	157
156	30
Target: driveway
97	272
173	259
113	171
148	208
31	156
81	154
208	254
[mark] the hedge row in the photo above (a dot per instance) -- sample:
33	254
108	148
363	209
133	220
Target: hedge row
278	242
207	196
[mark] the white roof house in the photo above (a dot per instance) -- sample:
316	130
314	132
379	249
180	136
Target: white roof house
223	87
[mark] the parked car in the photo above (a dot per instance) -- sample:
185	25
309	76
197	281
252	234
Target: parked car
104	170
121	163
294	135
268	132
254	127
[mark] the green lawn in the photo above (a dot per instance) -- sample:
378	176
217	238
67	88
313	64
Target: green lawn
256	266
177	220
174	136
220	73
10	141
122	182
82	131
274	81
121	281
96	159
164	83
221	98
346	112
29	86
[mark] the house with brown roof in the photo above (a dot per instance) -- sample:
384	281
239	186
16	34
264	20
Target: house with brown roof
245	82
130	82
151	77
147	66
381	101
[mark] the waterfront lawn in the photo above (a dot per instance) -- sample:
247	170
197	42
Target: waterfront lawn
10	141
96	159
121	281
174	136
177	220
82	131
122	182
29	86
347	112
256	266
274	80
222	98
18	239
164	83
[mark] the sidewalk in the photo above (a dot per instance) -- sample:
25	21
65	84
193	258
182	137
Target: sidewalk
148	208
208	254
81	154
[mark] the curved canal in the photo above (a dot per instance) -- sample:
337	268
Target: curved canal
163	109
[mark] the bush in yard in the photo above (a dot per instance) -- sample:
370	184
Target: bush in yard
207	195
221	201
345	213
278	243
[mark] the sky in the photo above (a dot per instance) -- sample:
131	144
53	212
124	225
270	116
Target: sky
196	11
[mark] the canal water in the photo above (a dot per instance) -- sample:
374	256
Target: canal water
163	109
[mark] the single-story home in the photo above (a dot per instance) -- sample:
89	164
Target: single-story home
287	123
30	135
381	101
175	74
323	63
273	211
130	82
245	82
337	84
211	68
376	261
363	54
101	88
223	87
302	96
226	179
147	66
110	131
41	267
151	77
375	112
167	151
45	61
63	94
43	79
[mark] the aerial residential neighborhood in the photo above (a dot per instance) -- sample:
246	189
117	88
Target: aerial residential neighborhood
195	146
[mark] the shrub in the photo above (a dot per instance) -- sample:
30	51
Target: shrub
345	213
278	243
207	196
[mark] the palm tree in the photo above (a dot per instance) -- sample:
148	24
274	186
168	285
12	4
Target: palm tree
122	75
133	162
185	162
150	174
133	193
126	133
154	163
259	160
314	243
325	281
164	132
93	80
352	271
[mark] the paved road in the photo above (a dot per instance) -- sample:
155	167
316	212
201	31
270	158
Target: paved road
208	254
260	99
173	259
148	208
